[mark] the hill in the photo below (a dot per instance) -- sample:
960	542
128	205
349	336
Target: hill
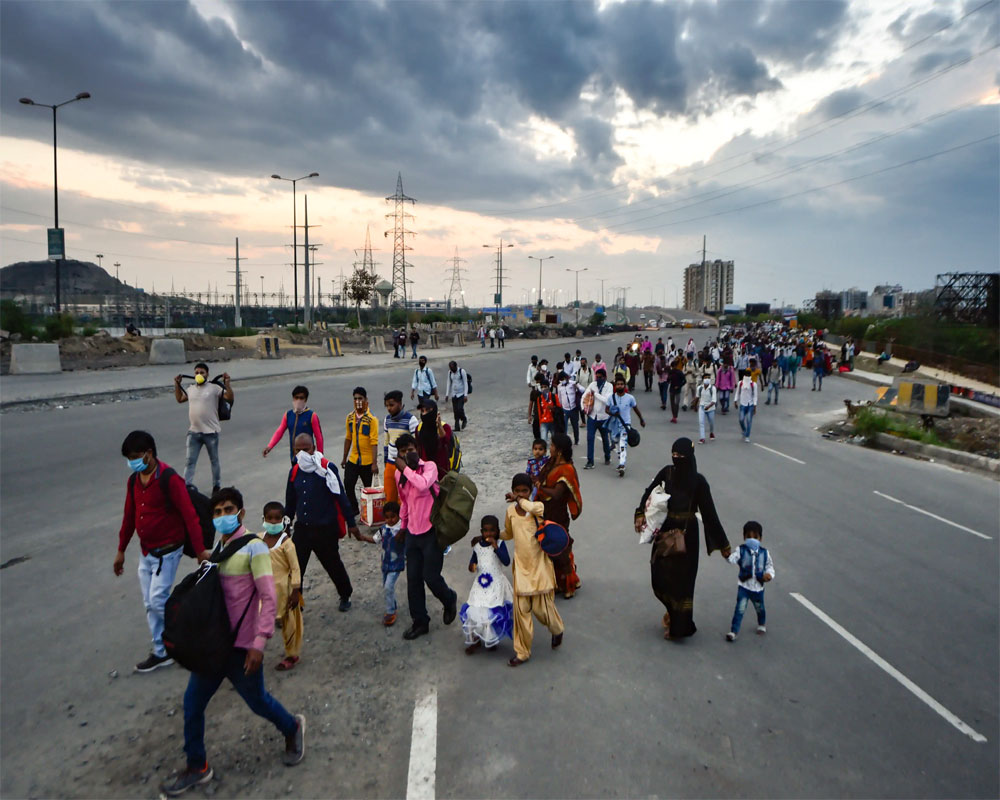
79	278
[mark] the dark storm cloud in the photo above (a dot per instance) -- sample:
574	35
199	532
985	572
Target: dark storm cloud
358	91
844	101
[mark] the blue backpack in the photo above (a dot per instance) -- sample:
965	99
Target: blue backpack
752	564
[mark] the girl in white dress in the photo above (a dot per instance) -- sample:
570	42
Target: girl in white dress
488	616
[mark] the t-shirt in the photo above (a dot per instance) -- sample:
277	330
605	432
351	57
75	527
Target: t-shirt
623	404
203	408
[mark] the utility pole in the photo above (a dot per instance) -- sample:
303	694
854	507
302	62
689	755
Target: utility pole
498	296
578	271
118	294
399	246
602	280
455	290
238	320
307	311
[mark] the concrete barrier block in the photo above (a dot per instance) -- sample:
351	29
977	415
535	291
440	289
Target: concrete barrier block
579	334
167	351
34	359
268	347
377	344
331	346
433	342
458	340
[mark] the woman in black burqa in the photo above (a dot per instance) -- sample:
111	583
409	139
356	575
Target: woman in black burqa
673	576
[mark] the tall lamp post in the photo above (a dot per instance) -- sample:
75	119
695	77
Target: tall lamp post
577	272
295	238
540	260
55	177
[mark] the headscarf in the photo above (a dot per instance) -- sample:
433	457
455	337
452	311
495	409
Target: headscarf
427	434
685	467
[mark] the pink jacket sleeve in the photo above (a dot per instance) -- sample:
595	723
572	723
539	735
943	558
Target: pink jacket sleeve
317	432
279	433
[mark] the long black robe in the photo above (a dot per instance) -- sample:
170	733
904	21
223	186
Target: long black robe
673	578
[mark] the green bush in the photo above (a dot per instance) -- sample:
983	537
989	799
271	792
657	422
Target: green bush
244	331
59	326
353	324
89	330
869	422
597	319
14	320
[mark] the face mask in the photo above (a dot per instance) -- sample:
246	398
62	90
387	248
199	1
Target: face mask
706	381
199	379
298	406
753	544
412	459
227	524
274	528
137	464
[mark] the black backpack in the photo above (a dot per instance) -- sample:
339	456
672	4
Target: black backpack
197	632
202	506
468	380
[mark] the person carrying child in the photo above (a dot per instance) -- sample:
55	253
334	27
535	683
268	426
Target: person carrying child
393	558
287	582
539	458
488	614
298	419
756	569
534	575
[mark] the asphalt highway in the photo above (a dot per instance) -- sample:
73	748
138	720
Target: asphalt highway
878	676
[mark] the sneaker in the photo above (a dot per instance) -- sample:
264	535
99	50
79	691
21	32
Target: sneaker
711	436
621	472
295	745
153	662
415	631
701	441
767	403
185	780
589	465
389	620
730	637
746	439
761	629
345	604
607	462
451	609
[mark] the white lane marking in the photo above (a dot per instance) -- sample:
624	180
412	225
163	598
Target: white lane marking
934	516
777	453
423	749
891	670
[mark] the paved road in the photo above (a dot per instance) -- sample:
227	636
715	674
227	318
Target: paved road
617	711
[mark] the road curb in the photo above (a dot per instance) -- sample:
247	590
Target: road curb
991	466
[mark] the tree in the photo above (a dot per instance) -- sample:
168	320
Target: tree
360	288
597	319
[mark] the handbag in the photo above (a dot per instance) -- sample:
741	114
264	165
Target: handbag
632	437
671	543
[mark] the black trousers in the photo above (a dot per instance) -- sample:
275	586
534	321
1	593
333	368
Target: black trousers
424	560
573	419
675	401
324	541
458	406
648	377
351	474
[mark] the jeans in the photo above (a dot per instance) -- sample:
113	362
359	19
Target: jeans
492	342
791	377
675	402
389	588
482	341
818	376
648	378
324	540
592	427
414	350
200	690
458	406
573	416
757	598
351	474
500	341
724	395
702	416
773	385
155	591
664	389
194	444
545	430
622	447
784	377
746	419
424	560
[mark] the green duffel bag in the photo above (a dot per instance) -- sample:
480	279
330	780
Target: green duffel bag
454	504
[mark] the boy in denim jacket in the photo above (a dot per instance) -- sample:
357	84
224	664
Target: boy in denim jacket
756	569
393	559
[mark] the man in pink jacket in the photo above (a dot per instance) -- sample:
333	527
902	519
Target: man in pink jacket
416	480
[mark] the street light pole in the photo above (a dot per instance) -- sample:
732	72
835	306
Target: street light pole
295	239
540	260
55	176
577	273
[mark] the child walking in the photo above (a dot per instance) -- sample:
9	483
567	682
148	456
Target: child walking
287	582
756	569
488	615
393	559
534	575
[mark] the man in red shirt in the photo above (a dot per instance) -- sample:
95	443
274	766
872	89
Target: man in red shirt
163	525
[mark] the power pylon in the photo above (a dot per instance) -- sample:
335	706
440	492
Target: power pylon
399	216
455	290
367	263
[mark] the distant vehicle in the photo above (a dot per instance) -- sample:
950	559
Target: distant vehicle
704	324
642	318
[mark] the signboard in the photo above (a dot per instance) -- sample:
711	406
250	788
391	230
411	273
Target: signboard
576	304
57	244
598	309
496	299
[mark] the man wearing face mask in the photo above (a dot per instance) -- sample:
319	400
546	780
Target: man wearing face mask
415	479
423	384
202	398
435	439
316	498
163	524
360	447
707	399
599	393
298	419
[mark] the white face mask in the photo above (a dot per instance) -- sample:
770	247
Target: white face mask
706	381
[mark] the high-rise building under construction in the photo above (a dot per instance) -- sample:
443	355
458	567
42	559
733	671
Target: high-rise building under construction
708	286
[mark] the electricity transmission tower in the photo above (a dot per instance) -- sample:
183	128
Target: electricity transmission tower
399	216
455	290
367	263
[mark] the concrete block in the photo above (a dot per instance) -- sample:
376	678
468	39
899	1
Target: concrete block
458	340
433	342
377	344
34	359
167	351
579	334
268	347
331	346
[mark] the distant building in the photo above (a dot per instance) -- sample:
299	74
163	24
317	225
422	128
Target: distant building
886	301
854	301
708	286
828	304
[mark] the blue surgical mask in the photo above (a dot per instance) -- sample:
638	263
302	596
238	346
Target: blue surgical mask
274	528
227	524
136	464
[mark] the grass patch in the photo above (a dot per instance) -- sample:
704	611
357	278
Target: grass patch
226	332
870	422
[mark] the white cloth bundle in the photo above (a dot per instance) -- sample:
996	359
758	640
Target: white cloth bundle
316	463
656	513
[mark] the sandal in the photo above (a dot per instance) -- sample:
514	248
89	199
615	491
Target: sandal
472	648
287	663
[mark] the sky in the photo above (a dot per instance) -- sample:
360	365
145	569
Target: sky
819	144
